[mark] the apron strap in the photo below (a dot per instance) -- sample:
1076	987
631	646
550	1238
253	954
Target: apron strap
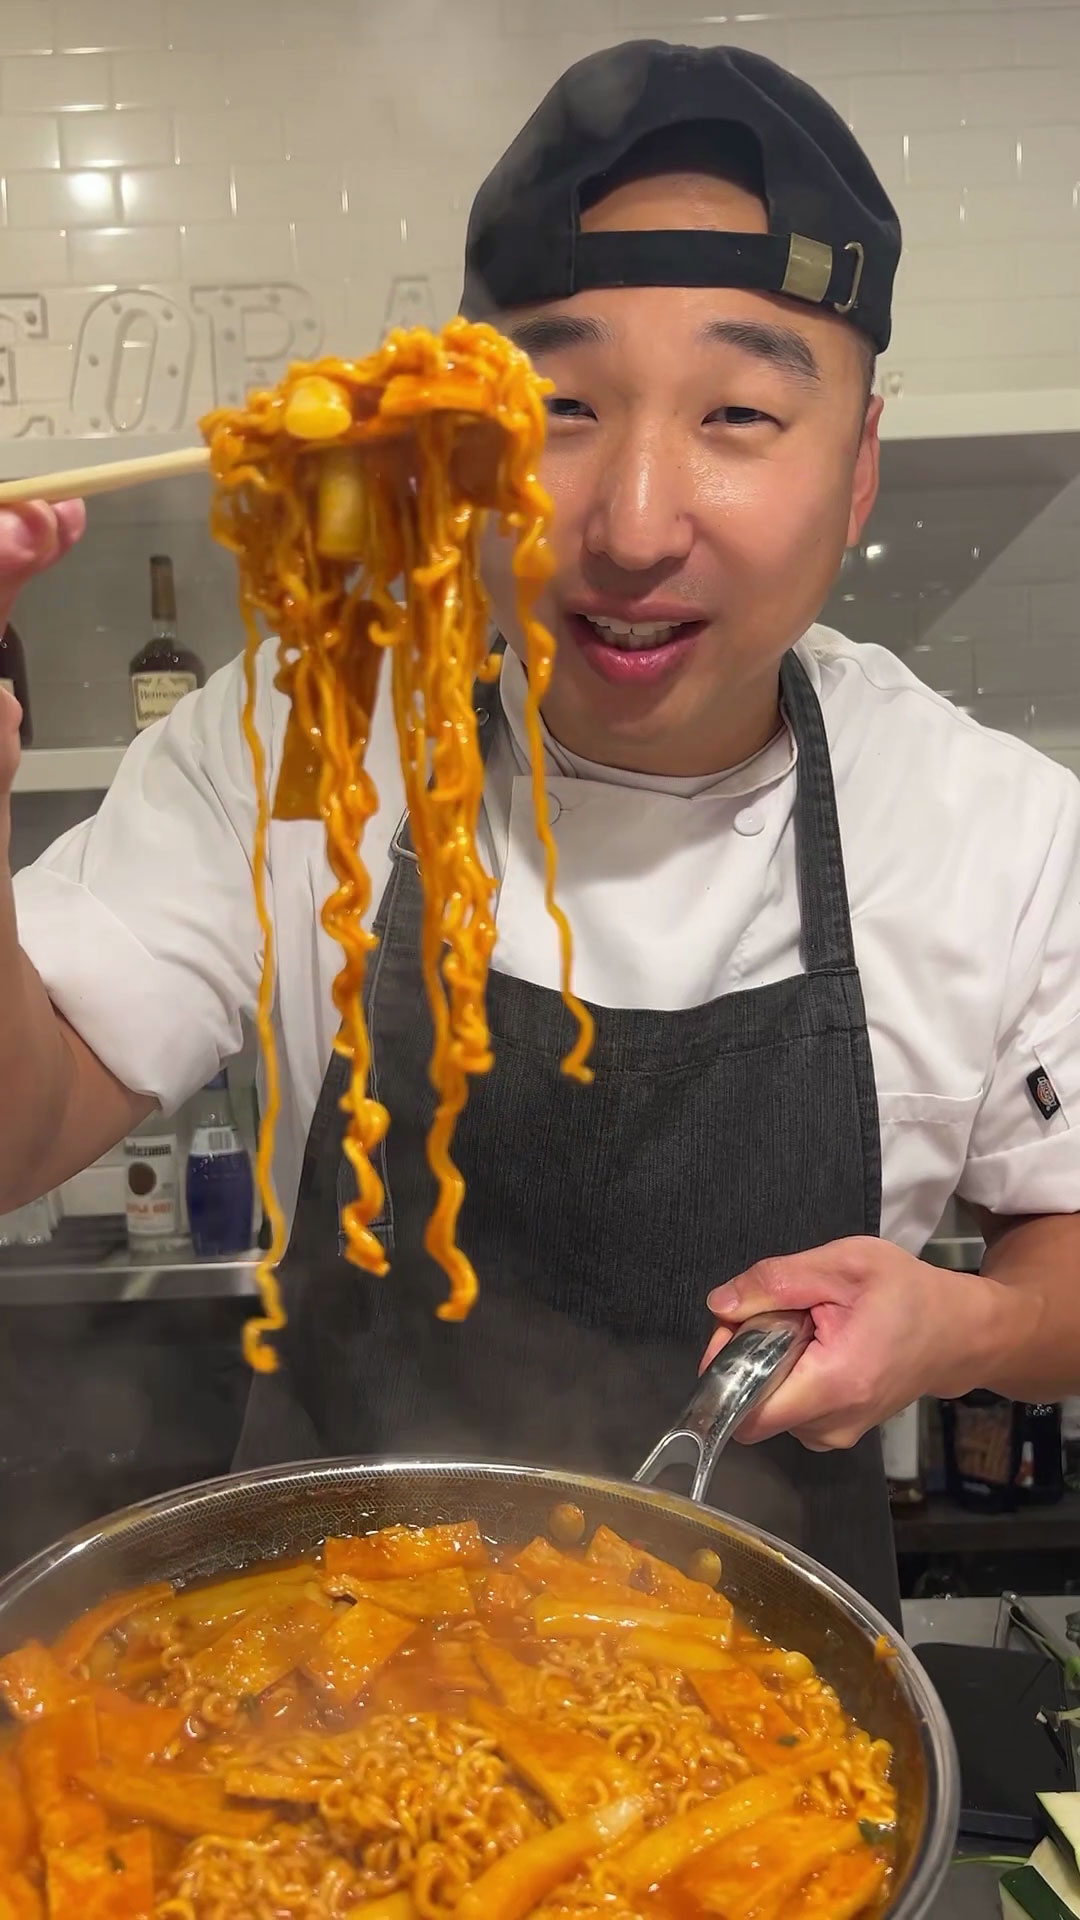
487	702
827	942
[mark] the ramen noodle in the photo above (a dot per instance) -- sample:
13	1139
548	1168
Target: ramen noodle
354	495
409	1725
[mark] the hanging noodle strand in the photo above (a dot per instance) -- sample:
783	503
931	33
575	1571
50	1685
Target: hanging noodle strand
354	495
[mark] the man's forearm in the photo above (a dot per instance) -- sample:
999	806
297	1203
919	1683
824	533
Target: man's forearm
1036	1341
60	1108
36	1067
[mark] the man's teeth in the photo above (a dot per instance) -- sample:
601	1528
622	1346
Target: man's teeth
633	634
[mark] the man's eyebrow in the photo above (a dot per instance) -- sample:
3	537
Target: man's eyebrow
547	332
782	347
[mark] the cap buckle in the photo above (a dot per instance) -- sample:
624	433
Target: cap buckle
808	270
856	247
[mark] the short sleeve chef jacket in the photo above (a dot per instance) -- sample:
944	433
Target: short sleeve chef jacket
962	849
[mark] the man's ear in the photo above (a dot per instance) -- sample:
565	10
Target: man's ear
867	475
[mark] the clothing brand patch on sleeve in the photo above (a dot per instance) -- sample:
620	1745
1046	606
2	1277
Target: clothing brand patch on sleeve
1041	1089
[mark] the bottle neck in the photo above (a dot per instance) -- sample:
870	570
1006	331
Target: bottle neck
216	1104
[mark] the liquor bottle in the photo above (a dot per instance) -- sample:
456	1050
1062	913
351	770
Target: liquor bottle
902	1454
162	671
13	679
152	1187
220	1188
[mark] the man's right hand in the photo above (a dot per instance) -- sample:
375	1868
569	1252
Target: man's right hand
31	539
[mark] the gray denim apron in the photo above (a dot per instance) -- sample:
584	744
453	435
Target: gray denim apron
598	1218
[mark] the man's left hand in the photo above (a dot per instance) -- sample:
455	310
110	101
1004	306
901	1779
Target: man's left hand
887	1328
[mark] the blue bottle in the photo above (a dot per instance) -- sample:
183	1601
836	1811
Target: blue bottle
220	1188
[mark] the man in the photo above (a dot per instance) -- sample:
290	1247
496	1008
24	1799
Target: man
830	928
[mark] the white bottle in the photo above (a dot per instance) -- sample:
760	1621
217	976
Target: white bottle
29	1226
152	1186
902	1456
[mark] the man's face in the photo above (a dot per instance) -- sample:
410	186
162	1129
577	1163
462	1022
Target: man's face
710	453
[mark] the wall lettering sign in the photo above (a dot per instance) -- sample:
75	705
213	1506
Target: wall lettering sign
140	360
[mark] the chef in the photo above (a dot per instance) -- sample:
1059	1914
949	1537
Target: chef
829	927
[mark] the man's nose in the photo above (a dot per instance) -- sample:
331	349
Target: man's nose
638	519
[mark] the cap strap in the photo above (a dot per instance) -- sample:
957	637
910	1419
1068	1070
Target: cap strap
792	264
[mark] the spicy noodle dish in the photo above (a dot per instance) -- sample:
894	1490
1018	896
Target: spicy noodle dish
411	1725
354	495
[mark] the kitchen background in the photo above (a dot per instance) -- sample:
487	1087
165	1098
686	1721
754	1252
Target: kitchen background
194	191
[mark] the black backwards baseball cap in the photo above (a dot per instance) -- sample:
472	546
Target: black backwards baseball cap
833	238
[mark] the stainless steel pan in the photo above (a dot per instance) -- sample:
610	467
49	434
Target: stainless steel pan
227	1524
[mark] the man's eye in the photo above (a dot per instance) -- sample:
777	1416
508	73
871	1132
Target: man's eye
738	417
563	408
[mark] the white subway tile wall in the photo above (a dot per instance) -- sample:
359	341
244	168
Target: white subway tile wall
129	254
365	120
185	147
228	134
30	140
62	199
129	139
26	27
32	260
56	82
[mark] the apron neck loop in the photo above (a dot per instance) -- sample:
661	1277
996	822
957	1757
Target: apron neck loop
827	943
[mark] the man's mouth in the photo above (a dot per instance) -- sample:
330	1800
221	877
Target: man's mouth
633	651
635	636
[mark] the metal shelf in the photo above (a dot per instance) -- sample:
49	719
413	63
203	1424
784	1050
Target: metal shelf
75	1267
962	1253
68	769
1016	414
942	1527
89	1263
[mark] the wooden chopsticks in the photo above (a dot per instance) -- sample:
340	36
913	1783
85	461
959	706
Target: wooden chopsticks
106	477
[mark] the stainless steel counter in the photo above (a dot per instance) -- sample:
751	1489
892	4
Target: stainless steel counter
971	1893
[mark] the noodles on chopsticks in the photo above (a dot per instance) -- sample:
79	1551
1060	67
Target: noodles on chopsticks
349	484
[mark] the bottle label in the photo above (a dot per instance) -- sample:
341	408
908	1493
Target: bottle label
156	694
212	1143
151	1187
983	1441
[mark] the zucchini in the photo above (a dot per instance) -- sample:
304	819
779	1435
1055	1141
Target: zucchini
1047	1888
1062	1811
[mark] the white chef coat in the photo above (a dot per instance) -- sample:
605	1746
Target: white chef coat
962	850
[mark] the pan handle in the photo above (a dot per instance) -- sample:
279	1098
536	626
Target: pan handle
760	1354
